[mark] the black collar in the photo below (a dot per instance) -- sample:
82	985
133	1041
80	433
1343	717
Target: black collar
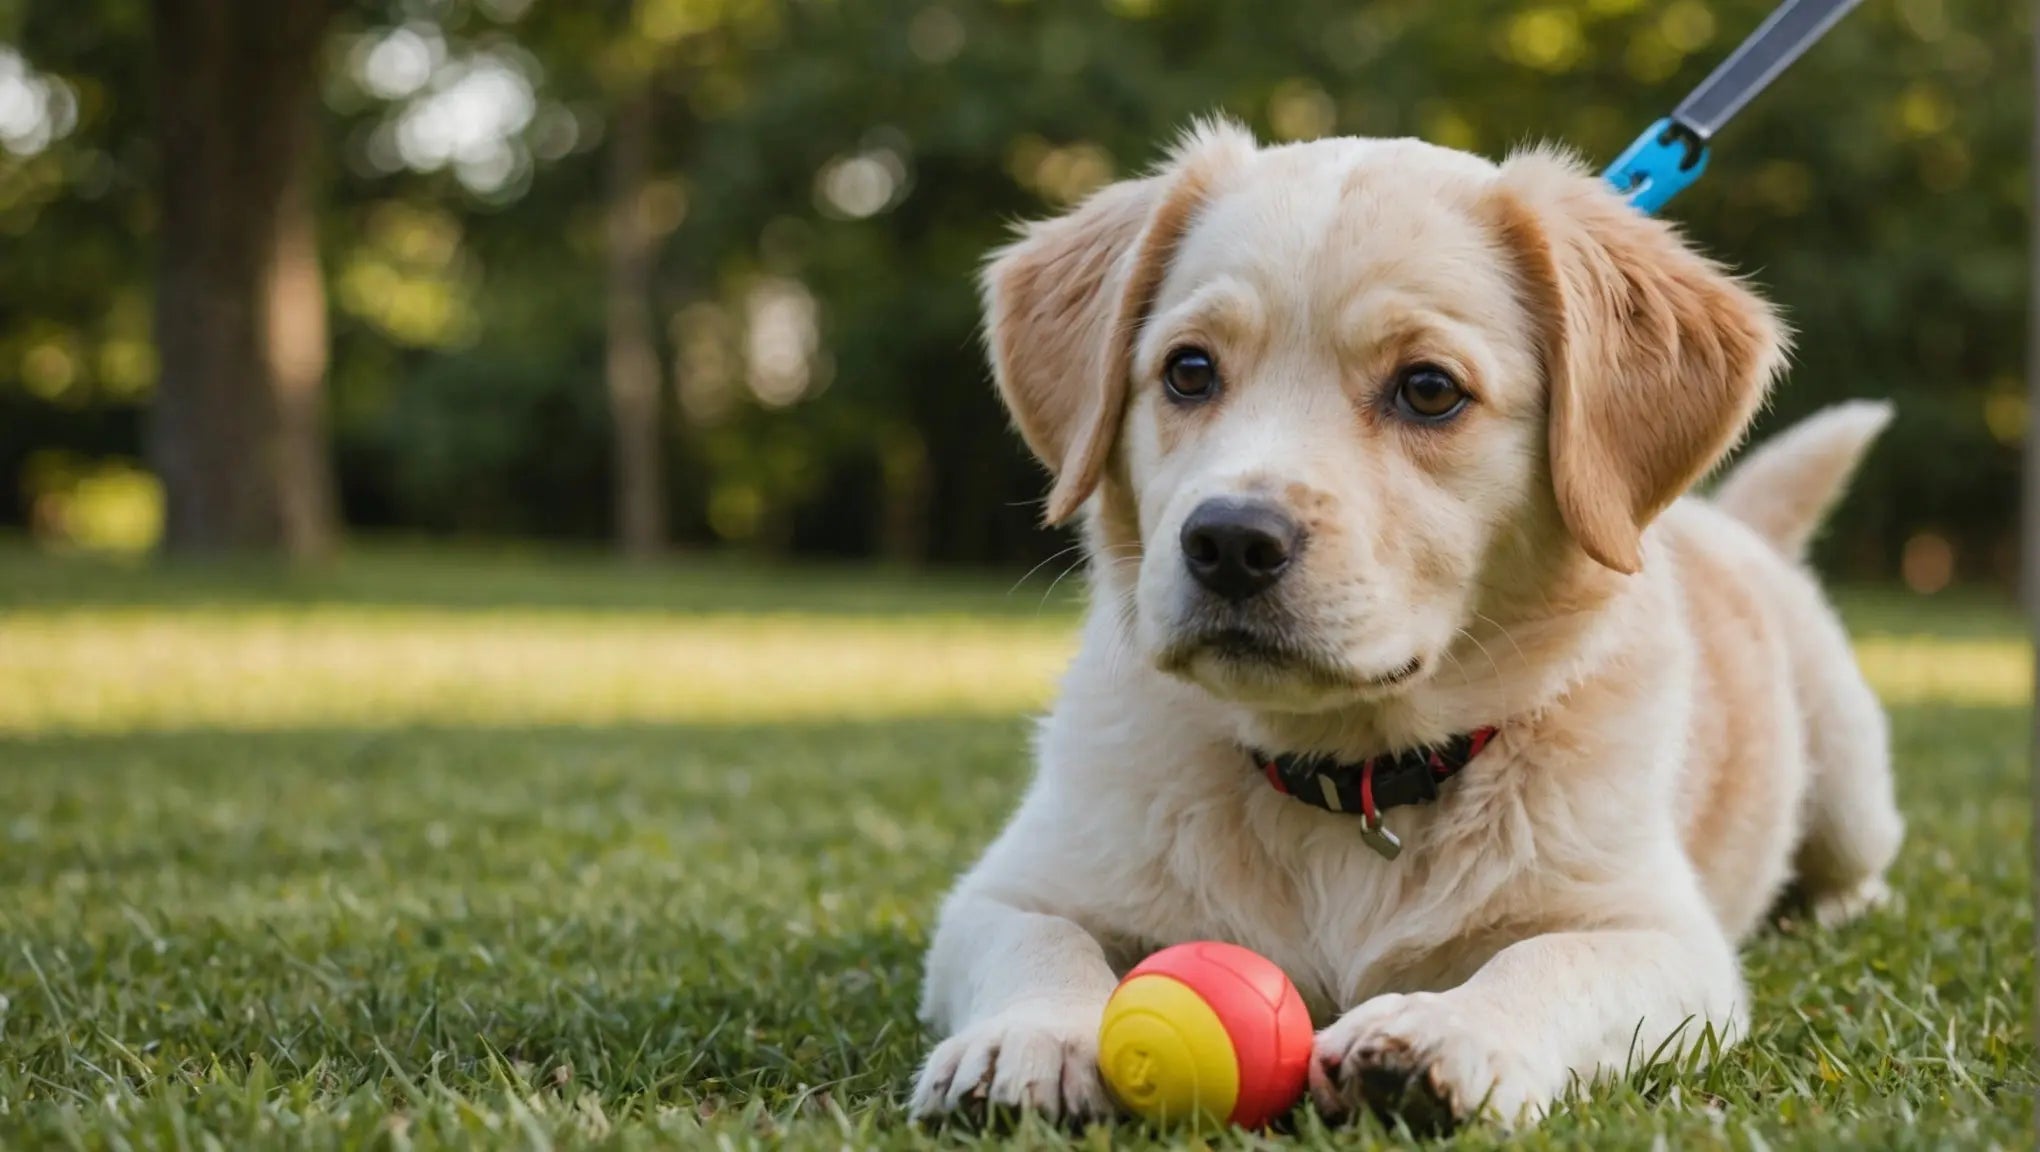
1372	786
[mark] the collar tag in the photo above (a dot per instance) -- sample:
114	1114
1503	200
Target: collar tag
1376	835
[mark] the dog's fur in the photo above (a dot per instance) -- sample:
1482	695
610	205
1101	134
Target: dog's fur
1683	729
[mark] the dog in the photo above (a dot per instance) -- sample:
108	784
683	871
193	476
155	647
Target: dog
1413	661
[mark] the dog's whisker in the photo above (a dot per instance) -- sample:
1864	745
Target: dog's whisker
1080	562
1059	554
1058	580
1497	626
1121	649
1475	641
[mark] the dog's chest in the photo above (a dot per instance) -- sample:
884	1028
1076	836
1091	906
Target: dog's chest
1295	884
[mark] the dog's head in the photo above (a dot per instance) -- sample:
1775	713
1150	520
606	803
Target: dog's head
1324	400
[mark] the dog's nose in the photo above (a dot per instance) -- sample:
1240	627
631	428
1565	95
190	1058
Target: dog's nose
1237	548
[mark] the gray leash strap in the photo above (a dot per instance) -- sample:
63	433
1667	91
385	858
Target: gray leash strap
1777	42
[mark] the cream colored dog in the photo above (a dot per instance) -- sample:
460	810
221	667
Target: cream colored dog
1377	444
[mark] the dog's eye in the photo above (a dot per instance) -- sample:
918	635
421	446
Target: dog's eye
1428	394
1190	375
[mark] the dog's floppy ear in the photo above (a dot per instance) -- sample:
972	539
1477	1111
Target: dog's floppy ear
1065	302
1655	357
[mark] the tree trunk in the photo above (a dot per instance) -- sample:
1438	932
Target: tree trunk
633	358
237	431
903	498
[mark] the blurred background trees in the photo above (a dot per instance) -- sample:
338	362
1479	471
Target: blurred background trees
699	272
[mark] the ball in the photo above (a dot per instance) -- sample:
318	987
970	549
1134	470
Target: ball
1206	1034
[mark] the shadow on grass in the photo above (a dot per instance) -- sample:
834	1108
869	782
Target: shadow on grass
507	577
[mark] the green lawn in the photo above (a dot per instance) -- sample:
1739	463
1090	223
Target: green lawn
493	849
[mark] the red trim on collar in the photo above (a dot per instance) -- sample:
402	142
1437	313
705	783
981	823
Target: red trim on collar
1274	777
1372	786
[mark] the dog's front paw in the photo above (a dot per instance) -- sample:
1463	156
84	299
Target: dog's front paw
1037	1061
1420	1058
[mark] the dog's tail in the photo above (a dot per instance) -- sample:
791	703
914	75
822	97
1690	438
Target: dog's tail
1788	485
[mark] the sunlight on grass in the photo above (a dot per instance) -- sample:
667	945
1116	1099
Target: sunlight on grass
264	669
1918	670
126	671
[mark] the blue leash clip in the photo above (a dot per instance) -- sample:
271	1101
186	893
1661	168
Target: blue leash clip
1664	160
1659	165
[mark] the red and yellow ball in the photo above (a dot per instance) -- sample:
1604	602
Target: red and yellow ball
1205	1034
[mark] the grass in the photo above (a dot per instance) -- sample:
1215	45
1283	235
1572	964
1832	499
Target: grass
494	850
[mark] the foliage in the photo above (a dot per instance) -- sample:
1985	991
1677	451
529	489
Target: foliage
831	173
241	912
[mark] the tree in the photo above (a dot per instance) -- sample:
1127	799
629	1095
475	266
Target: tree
237	433
630	57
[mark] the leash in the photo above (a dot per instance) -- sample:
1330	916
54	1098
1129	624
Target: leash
1672	153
